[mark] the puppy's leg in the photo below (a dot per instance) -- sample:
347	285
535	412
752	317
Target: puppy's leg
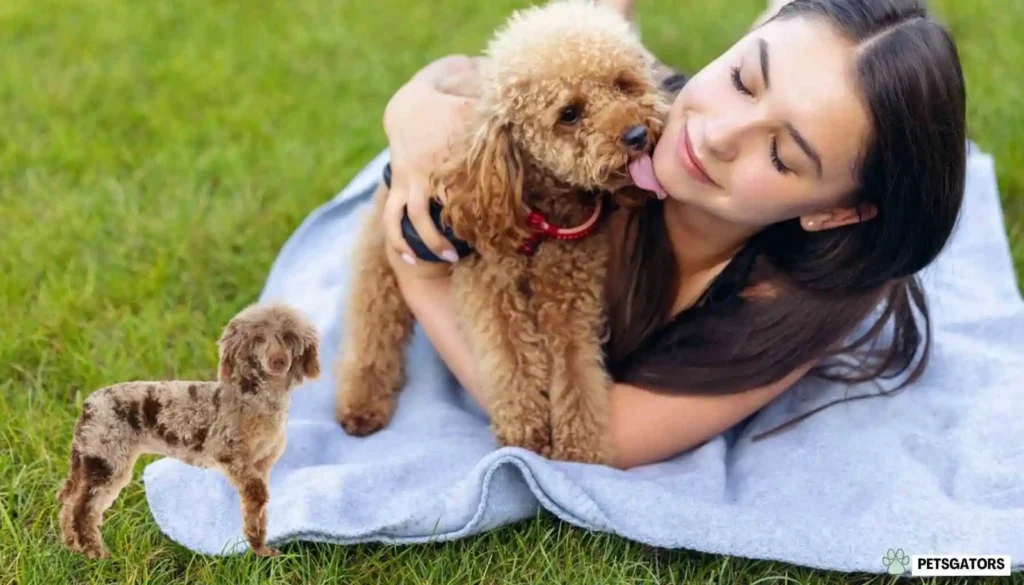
264	465
513	367
98	481
377	327
69	494
252	490
569	297
103	452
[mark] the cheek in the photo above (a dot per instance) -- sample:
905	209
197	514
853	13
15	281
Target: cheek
540	143
759	195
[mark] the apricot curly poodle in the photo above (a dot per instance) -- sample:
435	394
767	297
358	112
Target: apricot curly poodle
567	100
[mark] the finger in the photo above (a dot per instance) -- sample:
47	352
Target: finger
454	64
419	214
394	208
443	66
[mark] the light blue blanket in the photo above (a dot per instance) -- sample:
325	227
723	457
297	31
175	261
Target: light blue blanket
938	468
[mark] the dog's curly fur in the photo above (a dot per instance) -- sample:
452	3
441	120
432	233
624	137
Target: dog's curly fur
536	323
236	424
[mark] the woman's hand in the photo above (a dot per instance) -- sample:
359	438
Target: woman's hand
419	121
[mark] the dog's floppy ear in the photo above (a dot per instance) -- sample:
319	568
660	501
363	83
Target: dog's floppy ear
482	184
310	357
229	347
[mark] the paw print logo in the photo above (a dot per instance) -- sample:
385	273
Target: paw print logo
896	561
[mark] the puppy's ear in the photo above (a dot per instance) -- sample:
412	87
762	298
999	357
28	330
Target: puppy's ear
482	183
229	347
310	358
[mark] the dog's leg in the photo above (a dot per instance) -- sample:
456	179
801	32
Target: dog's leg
377	327
97	483
69	494
252	490
569	299
512	365
264	465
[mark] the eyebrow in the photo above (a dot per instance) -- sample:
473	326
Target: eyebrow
797	137
805	146
763	45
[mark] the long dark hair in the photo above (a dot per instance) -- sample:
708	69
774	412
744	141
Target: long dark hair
825	284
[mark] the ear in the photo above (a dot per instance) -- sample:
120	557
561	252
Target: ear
838	217
229	347
482	187
311	356
307	349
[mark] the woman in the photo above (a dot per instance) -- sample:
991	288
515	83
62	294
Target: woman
811	171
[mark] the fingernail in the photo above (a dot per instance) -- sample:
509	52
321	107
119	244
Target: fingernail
408	258
450	256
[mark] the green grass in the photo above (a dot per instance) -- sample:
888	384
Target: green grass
155	155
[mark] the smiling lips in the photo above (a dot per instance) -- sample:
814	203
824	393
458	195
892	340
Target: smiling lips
684	150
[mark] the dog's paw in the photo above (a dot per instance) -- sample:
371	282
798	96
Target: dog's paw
265	551
593	447
70	541
532	437
363	405
581	454
67	533
363	422
95	552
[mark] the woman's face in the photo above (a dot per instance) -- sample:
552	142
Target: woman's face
771	130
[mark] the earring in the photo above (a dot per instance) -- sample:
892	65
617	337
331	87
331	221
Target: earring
809	224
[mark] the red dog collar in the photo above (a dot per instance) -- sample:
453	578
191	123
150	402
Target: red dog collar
543	229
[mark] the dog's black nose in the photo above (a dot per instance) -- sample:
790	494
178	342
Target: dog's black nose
635	138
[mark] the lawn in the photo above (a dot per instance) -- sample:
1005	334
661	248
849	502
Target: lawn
155	155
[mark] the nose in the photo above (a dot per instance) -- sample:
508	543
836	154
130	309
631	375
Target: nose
278	362
635	138
724	133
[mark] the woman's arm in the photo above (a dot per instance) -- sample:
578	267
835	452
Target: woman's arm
646	426
430	300
649	427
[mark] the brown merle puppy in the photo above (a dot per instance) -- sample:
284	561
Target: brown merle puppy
236	424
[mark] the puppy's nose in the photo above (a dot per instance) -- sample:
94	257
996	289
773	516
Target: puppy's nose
635	138
278	362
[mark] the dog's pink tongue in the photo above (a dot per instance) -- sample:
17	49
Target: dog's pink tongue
642	171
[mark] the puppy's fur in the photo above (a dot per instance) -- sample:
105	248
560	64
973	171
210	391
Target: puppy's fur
236	424
535	323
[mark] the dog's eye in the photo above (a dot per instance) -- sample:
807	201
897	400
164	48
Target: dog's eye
259	339
623	86
569	115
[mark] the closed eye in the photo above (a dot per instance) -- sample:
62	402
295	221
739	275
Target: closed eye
737	82
776	161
